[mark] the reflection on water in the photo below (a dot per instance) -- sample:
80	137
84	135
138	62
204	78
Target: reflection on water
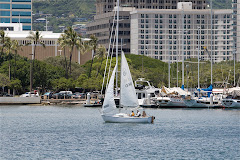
74	132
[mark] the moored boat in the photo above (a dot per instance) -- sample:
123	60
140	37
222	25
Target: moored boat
231	103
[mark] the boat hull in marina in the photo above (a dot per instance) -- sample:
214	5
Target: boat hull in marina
231	103
124	118
166	102
201	104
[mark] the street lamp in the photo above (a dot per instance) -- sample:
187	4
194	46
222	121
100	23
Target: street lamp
60	52
31	75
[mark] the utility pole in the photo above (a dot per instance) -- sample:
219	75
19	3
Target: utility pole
46	23
31	75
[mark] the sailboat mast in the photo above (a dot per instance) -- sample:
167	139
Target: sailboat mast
211	41
198	54
182	48
234	59
117	45
169	66
178	51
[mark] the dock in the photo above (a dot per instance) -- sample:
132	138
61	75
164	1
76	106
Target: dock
20	100
38	100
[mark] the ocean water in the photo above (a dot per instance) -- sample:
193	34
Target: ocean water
75	132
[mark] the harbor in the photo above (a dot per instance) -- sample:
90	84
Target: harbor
77	132
119	80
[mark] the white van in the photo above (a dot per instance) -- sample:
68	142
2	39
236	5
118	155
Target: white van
30	94
66	92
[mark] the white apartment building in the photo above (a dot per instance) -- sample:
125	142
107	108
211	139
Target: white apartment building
171	34
236	27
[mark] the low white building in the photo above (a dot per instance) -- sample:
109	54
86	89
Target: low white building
52	48
11	26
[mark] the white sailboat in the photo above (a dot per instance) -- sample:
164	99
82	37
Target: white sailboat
128	98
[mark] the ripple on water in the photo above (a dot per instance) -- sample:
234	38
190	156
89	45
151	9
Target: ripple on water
55	132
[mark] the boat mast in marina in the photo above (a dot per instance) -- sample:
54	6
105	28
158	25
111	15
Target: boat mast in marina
198	55
117	28
211	42
169	66
182	47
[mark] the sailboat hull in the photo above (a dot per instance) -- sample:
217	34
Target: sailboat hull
123	118
231	103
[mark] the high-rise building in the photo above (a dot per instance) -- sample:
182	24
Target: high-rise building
236	27
104	6
102	25
175	34
167	34
16	11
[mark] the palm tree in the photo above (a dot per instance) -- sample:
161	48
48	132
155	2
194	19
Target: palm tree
8	44
84	47
93	43
72	39
15	46
62	43
3	40
12	46
101	53
35	39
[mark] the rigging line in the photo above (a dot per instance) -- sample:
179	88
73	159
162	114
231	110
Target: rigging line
111	58
108	53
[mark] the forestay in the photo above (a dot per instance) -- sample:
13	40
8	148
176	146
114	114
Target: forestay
109	104
127	91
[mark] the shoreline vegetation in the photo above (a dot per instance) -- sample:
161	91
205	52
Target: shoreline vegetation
59	73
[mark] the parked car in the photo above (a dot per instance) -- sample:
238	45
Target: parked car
66	92
78	95
5	94
62	95
49	95
30	94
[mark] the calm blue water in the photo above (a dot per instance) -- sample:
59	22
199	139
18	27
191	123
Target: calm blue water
73	132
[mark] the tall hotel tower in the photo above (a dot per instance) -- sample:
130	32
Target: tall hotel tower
103	20
236	28
16	11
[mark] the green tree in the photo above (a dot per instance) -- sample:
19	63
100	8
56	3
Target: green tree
15	84
3	40
63	84
62	41
15	47
4	81
101	53
80	82
71	39
93	43
35	40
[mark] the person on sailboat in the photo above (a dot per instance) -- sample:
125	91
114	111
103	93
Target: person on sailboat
132	114
138	114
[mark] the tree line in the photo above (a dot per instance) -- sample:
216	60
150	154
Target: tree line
59	73
56	73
